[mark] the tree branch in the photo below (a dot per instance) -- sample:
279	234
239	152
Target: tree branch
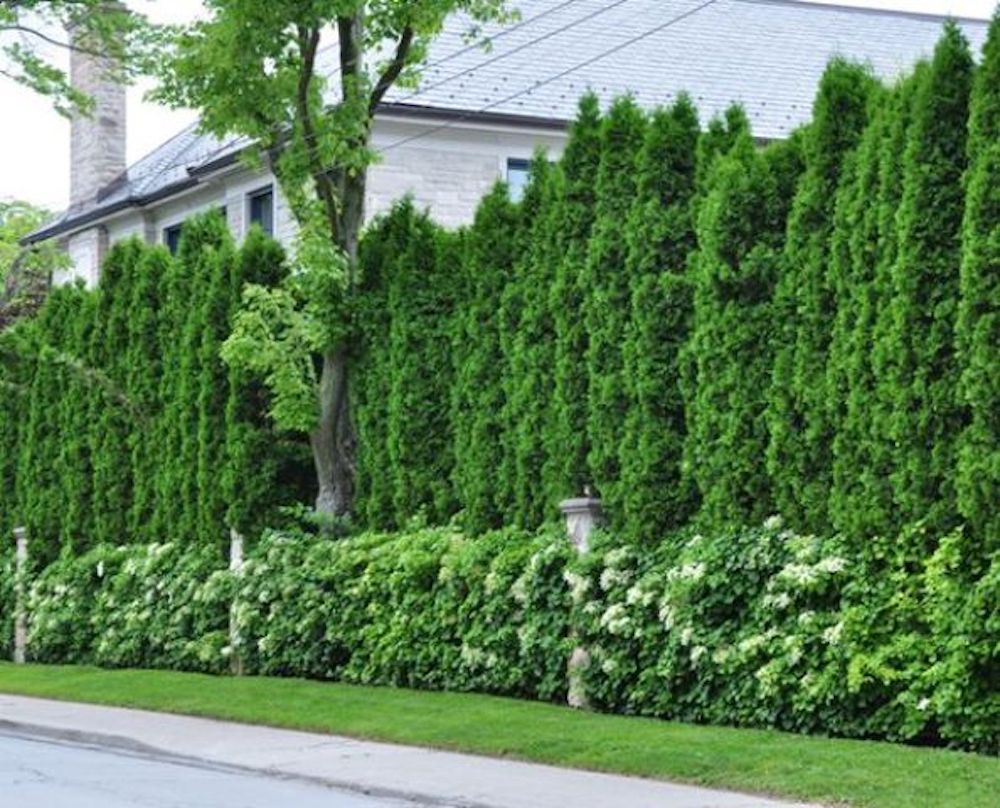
70	46
392	70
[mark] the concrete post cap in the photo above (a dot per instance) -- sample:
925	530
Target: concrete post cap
581	505
20	533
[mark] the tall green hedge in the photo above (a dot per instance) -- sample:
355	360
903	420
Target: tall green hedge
978	324
606	287
655	494
801	435
125	425
924	372
703	329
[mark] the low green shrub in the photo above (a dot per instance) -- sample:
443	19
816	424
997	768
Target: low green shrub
757	627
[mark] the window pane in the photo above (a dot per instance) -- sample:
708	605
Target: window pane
172	238
518	174
262	210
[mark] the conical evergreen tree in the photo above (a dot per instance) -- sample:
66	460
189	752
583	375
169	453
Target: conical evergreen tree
924	373
74	460
381	248
533	388
607	288
741	228
654	497
112	416
522	313
250	483
477	398
854	254
799	451
420	301
978	327
213	391
566	444
144	370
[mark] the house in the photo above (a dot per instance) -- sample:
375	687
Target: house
480	113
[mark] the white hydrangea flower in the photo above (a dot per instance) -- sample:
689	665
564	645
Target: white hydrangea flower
667	615
697	653
832	635
579	586
616	620
720	655
686	635
832	565
612	577
773	522
616	557
806	618
923	704
609	666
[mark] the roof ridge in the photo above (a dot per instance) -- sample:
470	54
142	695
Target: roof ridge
833	5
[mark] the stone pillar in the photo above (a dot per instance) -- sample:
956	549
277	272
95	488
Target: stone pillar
235	567
20	595
583	516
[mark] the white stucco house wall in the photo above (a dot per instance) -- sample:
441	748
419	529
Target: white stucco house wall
480	113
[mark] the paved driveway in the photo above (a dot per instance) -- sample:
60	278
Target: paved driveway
43	774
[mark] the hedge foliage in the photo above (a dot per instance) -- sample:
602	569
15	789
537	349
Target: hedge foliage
703	330
123	421
757	627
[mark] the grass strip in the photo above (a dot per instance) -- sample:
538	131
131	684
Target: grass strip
830	771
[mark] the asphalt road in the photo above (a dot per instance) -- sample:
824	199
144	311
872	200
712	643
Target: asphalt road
42	774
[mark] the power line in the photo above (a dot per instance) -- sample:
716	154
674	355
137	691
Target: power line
586	63
179	160
524	46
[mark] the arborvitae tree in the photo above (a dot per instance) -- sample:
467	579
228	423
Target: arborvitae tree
381	249
39	506
740	229
213	392
183	323
925	373
142	380
799	452
75	423
513	302
854	253
566	444
978	328
529	386
420	301
113	419
607	289
477	396
253	452
654	496
871	408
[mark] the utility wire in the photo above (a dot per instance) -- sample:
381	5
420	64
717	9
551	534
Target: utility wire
443	60
499	57
586	63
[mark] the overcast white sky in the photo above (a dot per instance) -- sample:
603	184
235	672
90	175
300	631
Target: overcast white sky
34	140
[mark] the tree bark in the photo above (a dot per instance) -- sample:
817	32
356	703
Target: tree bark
332	441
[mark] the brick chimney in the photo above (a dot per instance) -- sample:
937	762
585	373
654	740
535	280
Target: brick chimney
97	141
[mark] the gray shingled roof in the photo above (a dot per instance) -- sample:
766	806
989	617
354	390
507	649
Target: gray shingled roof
766	54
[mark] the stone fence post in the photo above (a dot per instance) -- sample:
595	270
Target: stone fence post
236	567
20	595
583	516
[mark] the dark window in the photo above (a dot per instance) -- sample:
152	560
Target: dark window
172	238
262	210
518	174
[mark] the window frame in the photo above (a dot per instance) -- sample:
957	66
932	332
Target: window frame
252	197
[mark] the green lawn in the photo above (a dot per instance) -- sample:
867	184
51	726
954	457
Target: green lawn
819	769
